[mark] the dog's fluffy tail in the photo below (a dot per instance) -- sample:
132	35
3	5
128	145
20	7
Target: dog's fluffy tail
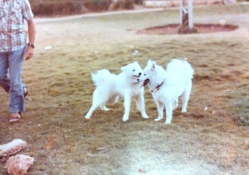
102	76
182	67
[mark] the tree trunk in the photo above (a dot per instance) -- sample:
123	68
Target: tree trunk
190	14
181	11
186	16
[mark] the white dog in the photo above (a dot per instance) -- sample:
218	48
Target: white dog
110	86
167	85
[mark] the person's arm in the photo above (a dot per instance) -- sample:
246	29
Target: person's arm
31	35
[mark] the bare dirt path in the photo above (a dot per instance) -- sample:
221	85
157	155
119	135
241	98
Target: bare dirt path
40	20
137	9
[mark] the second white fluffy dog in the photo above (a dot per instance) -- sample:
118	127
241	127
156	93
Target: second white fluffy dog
109	87
167	85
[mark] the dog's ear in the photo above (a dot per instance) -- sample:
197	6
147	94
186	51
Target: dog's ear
153	66
149	63
136	63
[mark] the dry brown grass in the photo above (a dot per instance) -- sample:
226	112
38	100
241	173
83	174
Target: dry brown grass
199	142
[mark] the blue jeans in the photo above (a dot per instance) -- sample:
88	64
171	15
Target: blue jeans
11	78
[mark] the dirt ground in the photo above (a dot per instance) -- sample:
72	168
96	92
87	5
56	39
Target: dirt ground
201	29
211	138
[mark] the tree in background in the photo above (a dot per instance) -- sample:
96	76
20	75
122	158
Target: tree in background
186	16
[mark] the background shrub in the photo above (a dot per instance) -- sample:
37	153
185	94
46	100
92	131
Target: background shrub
68	7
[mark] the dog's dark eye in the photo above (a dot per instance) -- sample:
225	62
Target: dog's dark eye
133	70
144	74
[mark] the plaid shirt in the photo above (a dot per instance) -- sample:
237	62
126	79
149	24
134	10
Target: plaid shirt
12	15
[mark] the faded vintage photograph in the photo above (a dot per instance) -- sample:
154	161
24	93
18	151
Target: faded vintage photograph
124	87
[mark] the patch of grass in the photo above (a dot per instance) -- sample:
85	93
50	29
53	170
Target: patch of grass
240	105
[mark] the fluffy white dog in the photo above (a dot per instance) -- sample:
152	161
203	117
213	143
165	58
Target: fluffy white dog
167	85
109	87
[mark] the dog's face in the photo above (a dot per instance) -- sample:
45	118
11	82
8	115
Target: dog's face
148	73
132	70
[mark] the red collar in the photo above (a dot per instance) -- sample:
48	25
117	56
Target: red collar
157	87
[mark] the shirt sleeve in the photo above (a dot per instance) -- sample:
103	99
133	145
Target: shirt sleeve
27	11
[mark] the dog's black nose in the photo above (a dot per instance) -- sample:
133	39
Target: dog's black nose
137	79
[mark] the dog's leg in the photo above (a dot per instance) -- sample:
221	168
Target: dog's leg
175	104
89	114
96	103
160	108
127	105
141	106
169	111
104	108
185	96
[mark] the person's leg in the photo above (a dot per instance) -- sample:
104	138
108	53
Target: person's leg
4	66
4	77
16	96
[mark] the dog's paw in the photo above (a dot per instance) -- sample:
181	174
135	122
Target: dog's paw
105	108
167	123
125	119
145	116
157	119
183	111
87	117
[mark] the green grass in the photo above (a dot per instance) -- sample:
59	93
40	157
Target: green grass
60	93
240	105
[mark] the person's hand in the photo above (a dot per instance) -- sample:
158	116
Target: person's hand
28	53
